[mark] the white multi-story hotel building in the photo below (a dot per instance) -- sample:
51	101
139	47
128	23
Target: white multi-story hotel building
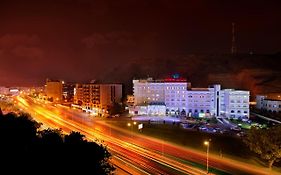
174	96
235	103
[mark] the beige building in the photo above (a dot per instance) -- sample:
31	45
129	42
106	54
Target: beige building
97	97
130	100
53	90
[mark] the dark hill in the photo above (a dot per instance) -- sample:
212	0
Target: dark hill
258	73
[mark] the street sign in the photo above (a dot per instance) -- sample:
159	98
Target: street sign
140	126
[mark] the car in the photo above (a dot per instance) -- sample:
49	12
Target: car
202	128
236	128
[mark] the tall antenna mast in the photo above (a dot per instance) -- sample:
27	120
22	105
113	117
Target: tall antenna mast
233	47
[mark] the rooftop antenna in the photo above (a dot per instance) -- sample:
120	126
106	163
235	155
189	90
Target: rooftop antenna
233	47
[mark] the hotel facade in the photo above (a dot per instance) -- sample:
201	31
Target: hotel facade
175	96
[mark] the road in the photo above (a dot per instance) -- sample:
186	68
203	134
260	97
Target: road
133	153
265	118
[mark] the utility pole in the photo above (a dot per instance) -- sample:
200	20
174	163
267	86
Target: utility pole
233	47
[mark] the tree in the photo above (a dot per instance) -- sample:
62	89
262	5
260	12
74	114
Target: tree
74	138
24	145
116	108
266	143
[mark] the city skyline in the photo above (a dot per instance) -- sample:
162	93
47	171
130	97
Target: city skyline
140	86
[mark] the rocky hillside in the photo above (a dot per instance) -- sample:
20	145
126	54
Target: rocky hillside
258	73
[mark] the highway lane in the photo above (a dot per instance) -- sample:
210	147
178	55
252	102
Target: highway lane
145	160
178	153
144	151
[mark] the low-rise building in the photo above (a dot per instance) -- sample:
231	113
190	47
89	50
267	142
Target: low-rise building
270	102
4	90
130	100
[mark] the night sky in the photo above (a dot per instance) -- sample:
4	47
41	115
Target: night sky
79	40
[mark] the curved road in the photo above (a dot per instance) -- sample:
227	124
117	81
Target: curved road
134	153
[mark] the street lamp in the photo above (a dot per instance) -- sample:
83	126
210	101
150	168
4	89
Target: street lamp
135	123
131	128
207	143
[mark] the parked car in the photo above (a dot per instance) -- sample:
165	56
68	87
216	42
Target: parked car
235	128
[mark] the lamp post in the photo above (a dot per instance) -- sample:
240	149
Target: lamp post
131	126
207	143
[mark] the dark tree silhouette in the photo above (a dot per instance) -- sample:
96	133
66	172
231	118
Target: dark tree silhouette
24	148
116	108
266	143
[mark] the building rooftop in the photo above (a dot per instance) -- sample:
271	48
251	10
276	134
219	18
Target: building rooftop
271	99
199	89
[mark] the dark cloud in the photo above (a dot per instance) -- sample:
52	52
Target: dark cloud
80	40
110	38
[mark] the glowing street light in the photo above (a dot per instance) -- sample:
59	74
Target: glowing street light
207	143
128	124
135	123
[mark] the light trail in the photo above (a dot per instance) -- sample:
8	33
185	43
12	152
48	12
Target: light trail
115	145
141	154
